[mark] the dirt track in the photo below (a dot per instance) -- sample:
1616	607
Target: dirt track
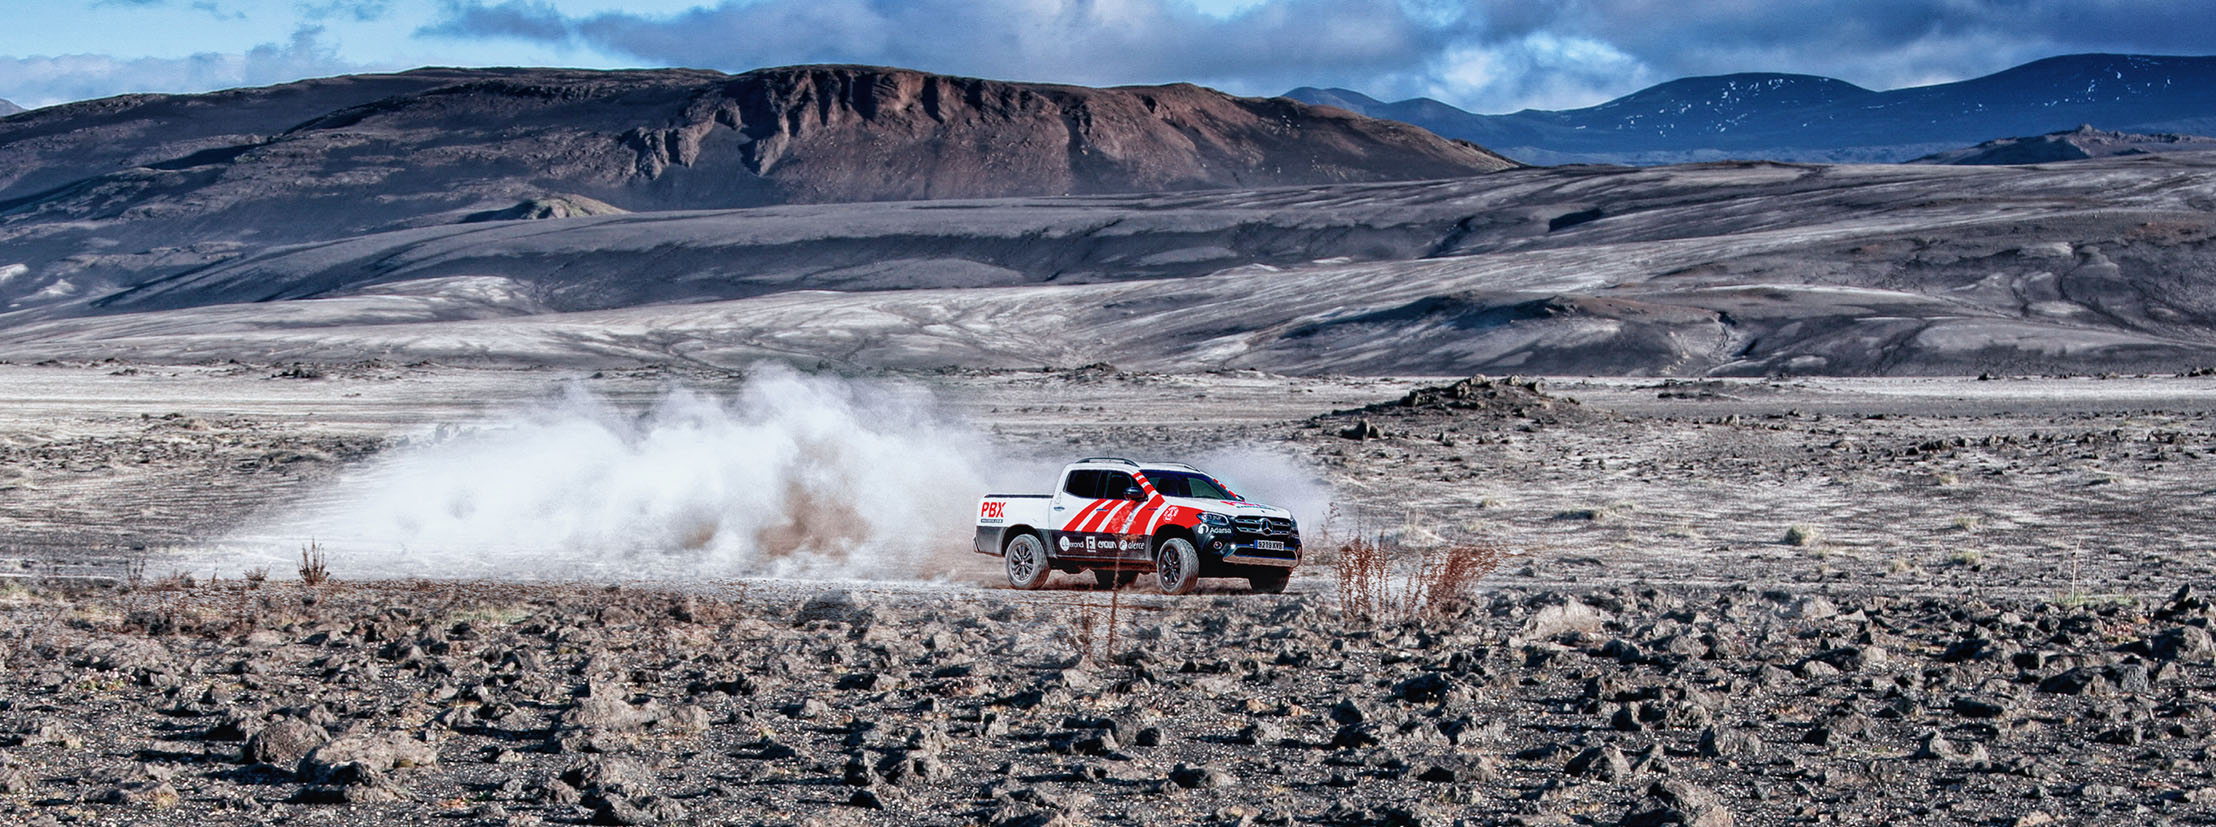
2026	486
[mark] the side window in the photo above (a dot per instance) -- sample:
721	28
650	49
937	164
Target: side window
1083	483
1114	483
1169	485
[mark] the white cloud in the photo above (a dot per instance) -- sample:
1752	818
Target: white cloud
41	80
1484	55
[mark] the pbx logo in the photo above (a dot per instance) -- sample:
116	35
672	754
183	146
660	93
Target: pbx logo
993	510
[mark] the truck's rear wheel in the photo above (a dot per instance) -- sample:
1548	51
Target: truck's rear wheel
1269	582
1176	566
1025	559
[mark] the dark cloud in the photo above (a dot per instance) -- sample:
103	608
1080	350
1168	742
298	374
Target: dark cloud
520	19
212	8
359	10
45	80
1490	55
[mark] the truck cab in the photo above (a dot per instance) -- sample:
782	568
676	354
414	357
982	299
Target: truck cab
1119	518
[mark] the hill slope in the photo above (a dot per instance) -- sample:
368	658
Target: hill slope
1713	269
102	192
1785	117
2074	145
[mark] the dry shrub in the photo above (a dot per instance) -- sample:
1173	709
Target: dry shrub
314	568
1437	583
1361	568
1446	577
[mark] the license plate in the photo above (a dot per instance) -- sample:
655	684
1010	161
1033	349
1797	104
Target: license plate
1269	545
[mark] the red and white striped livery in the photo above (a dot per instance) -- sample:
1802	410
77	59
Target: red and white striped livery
1117	518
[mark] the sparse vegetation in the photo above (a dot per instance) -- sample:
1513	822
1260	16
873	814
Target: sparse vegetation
1360	568
1968	523
1435	581
1803	535
314	569
1966	558
256	576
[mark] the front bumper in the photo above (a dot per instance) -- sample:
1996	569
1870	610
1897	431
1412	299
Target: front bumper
1241	548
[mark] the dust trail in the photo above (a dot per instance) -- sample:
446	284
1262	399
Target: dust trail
794	476
1268	476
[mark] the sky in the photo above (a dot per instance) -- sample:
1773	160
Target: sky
1482	55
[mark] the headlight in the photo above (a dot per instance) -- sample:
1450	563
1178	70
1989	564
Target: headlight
1217	520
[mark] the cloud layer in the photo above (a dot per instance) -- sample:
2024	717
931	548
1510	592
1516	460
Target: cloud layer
1485	55
41	80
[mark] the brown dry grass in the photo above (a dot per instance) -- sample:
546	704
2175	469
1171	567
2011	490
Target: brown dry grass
314	568
1435	582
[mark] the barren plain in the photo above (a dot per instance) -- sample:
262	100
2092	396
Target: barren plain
1818	600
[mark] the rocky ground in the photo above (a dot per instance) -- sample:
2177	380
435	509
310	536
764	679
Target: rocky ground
232	702
1944	601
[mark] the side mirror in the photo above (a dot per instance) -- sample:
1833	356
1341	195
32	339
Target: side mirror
1133	493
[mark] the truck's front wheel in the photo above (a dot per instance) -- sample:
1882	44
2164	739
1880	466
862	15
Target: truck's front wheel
1025	558
1176	566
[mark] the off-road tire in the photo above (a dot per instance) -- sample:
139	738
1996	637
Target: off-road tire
1269	582
1112	579
1176	566
1026	563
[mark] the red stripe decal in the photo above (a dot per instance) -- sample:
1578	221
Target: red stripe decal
1109	519
1094	515
1082	514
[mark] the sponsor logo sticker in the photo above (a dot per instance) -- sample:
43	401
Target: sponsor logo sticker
1065	544
993	510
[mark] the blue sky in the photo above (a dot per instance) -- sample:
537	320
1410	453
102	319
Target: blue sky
1483	55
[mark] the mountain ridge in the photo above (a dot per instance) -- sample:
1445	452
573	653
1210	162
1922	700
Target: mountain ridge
2077	144
1808	118
97	194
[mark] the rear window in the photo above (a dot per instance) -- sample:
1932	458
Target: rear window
1083	482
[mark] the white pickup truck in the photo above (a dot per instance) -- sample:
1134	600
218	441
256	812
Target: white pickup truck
1117	518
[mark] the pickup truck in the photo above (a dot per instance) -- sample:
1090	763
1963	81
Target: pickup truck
1117	519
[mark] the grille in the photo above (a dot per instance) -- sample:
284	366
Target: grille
1264	526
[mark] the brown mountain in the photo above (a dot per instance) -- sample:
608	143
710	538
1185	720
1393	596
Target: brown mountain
335	157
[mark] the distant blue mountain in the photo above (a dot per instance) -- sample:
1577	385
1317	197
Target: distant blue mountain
8	107
1807	118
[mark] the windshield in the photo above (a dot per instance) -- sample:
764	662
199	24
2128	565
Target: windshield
1183	484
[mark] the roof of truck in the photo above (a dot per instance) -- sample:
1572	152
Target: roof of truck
1120	462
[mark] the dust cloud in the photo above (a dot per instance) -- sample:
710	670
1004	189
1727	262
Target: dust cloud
792	475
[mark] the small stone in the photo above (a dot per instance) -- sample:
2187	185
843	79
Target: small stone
1937	748
1604	762
283	743
835	606
2182	643
865	799
1676	802
1199	777
1260	733
362	759
1972	706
